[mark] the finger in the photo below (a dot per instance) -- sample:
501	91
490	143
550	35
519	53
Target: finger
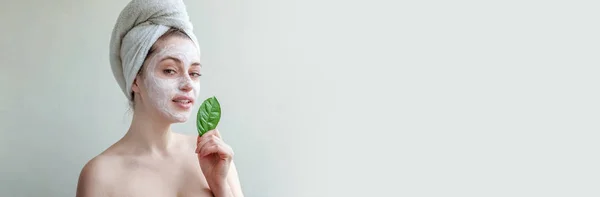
217	133
213	132
224	149
207	140
213	148
201	139
224	152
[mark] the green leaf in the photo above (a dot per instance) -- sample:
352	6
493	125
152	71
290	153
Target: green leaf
208	115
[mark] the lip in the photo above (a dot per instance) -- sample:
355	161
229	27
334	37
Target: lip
183	105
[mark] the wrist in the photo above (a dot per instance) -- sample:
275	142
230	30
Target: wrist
220	189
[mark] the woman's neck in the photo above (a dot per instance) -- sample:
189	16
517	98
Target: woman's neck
148	134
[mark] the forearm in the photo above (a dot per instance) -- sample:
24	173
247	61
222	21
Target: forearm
221	189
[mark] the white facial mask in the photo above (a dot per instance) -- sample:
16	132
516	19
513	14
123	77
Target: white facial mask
162	89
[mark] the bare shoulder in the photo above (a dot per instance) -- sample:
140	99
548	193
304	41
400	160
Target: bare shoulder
97	175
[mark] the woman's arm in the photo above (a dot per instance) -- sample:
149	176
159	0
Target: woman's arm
216	161
234	181
230	188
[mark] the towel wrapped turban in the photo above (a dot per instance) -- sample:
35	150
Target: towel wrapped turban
139	25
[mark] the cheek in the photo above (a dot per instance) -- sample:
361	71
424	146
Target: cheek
197	88
168	87
160	89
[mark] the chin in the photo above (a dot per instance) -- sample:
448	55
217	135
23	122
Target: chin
179	119
177	115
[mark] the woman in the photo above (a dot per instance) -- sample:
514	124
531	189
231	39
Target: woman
156	61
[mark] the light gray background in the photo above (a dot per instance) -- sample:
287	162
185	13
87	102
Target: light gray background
328	97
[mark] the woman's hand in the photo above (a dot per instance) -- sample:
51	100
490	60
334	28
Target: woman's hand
215	158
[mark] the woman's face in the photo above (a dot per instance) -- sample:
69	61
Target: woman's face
171	79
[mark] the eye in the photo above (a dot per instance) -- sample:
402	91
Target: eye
169	71
195	74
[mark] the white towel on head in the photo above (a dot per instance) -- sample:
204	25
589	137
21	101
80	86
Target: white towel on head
139	25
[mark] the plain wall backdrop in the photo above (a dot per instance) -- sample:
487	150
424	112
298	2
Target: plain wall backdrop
328	97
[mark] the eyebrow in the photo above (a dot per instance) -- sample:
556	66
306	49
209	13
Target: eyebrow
179	61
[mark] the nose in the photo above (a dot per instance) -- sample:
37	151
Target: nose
186	84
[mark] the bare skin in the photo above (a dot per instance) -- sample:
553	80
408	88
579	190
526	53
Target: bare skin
151	159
